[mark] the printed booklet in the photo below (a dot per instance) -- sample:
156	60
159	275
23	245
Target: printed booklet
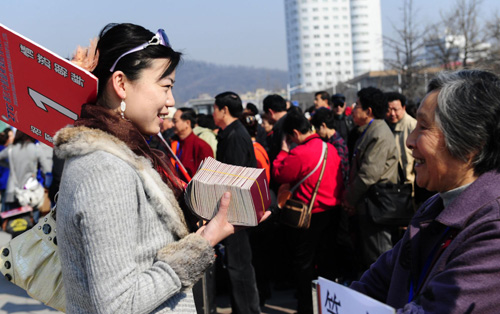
248	186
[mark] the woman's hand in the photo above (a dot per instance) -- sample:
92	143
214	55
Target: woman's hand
284	145
218	228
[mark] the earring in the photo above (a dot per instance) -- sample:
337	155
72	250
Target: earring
123	106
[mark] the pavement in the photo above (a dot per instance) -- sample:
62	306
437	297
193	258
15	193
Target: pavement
15	300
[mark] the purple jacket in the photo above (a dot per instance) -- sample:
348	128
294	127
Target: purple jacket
465	278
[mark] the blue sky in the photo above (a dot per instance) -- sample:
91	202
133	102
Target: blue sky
250	33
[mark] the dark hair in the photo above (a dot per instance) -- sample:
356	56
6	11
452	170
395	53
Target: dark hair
468	113
23	138
323	115
250	123
230	100
295	120
274	102
371	97
324	95
4	135
116	39
206	121
253	108
392	96
188	114
267	117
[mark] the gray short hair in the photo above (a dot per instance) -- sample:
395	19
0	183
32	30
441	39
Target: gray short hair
468	112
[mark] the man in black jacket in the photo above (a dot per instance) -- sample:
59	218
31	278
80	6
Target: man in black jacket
235	147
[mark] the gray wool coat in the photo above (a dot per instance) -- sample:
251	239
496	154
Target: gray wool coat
123	241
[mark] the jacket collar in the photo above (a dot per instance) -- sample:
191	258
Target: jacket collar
78	141
459	212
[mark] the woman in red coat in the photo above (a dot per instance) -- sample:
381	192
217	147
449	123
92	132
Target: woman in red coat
291	166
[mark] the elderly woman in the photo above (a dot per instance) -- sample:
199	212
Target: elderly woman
449	259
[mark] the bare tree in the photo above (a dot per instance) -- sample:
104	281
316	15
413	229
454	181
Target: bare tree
458	39
406	46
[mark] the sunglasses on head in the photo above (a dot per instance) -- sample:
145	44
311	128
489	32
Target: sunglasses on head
160	38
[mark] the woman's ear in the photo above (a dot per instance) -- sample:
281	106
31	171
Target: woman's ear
118	80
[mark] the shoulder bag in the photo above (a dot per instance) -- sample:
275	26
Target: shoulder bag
296	213
31	261
391	204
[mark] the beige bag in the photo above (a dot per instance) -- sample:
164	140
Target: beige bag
31	261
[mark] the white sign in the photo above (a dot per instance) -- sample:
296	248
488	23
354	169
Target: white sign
338	299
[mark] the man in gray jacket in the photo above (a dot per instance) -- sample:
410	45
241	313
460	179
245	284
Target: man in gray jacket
374	161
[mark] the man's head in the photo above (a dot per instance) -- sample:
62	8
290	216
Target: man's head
338	104
296	126
397	107
275	106
321	99
227	108
184	121
371	104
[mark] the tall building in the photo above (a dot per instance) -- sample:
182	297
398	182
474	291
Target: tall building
331	41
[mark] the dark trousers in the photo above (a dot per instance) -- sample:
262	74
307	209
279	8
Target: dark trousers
374	239
244	294
305	246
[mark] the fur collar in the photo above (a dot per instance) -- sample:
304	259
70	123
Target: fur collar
76	141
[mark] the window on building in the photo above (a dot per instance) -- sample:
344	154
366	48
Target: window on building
319	73
328	53
317	54
318	64
308	74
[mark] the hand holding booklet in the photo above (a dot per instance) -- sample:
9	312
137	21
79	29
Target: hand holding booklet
248	186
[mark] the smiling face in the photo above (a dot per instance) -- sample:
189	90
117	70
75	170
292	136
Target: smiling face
435	168
149	97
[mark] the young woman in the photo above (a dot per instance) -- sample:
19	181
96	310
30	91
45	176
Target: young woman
124	243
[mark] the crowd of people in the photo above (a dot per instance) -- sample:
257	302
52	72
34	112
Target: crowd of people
129	244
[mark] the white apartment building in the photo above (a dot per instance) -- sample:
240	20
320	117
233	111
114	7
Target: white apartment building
330	41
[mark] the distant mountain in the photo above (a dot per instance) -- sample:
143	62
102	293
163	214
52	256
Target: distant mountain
194	78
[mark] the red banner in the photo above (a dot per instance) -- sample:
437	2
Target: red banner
40	92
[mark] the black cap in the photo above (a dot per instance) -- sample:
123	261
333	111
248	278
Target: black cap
338	100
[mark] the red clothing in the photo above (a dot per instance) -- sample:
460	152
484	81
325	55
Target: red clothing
262	159
299	162
191	151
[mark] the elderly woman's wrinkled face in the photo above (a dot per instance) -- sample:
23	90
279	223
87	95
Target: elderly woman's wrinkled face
435	168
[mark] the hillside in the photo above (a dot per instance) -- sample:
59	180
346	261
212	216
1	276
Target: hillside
194	78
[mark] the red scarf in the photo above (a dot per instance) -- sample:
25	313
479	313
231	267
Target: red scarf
97	117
